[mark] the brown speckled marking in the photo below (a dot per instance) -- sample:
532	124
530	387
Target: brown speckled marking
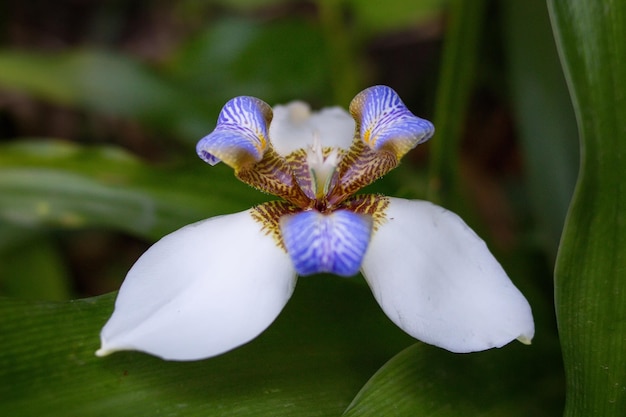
296	161
359	167
371	204
269	214
273	175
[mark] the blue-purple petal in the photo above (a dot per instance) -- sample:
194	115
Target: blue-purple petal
240	135
385	122
334	243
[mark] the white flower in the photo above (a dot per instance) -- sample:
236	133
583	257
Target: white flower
217	284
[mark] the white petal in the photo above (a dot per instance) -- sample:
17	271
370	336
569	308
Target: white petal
201	291
294	125
436	279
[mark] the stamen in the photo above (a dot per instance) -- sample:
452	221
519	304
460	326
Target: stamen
322	168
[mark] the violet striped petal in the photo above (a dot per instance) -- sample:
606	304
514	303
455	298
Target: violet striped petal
334	243
240	137
386	124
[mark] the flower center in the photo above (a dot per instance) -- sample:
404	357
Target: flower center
321	222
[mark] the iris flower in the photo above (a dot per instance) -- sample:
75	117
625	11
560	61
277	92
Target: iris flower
217	284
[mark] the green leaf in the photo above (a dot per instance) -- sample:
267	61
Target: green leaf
589	277
65	185
426	381
308	363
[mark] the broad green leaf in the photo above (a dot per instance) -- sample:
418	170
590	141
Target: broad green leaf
65	185
331	337
425	381
589	279
545	118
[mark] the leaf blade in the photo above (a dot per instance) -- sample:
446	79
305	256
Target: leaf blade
589	284
305	364
492	383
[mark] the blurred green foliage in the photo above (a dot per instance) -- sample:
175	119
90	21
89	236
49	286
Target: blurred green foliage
97	127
